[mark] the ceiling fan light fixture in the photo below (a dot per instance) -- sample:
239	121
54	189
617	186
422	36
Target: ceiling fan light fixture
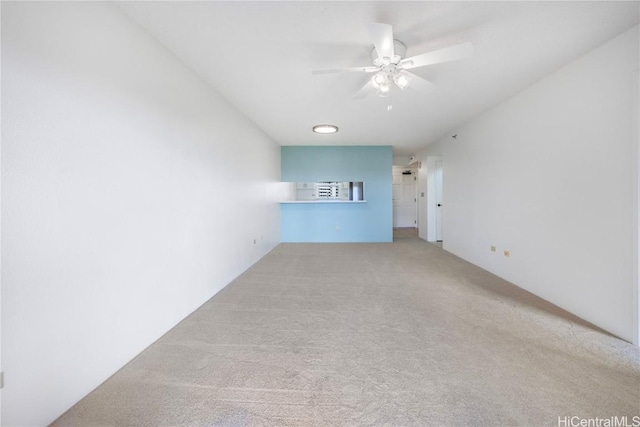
383	90
380	79
402	80
325	129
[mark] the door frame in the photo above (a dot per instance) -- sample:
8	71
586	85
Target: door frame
431	198
636	206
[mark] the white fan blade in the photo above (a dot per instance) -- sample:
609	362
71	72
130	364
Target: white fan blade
420	84
364	91
447	54
382	38
346	70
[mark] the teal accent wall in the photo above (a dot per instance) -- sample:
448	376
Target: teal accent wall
357	222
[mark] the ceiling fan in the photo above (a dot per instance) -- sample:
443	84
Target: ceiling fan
390	65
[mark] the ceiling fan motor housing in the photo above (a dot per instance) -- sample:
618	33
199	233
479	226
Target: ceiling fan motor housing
399	50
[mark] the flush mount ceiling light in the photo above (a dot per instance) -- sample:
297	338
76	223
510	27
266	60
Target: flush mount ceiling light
325	129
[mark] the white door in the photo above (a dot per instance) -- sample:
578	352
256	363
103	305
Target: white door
404	200
438	182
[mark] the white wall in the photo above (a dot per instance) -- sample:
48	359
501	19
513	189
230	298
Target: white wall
550	176
132	193
400	160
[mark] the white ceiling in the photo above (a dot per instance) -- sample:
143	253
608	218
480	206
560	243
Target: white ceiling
259	55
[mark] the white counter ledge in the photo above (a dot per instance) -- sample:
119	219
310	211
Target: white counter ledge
312	202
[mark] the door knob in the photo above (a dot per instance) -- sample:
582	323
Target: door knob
439	204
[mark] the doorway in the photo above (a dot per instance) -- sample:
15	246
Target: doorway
434	203
405	206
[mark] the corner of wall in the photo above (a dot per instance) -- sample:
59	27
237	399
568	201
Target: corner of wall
636	206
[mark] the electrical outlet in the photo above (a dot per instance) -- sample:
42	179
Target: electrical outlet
493	248
507	253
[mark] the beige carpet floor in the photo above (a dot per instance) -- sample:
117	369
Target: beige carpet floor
400	334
